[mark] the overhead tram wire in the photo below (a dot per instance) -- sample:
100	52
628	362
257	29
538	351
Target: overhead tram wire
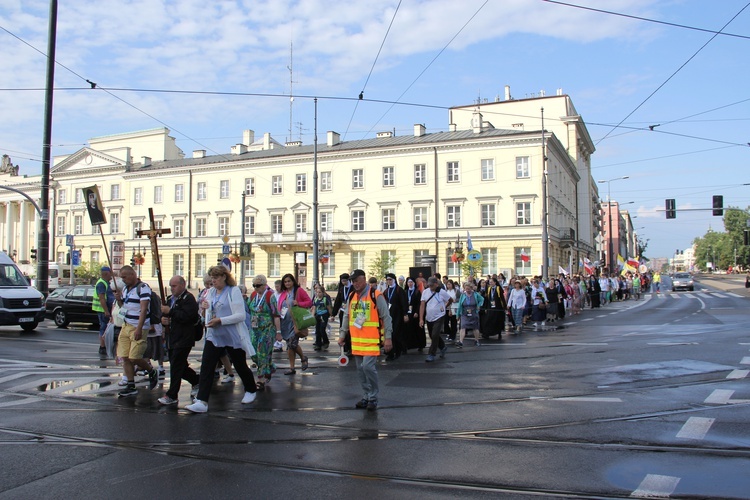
398	100
649	20
372	68
647	129
675	72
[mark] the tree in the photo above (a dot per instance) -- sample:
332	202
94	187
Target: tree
88	271
382	264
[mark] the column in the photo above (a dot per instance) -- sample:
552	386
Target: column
23	241
9	228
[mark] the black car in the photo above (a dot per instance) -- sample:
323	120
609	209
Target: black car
72	304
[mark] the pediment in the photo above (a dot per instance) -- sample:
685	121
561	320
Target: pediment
87	159
300	207
357	203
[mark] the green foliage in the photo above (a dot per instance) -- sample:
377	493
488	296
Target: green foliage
382	264
88	271
719	248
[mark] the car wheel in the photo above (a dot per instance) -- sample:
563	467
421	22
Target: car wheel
61	319
691	289
673	289
27	327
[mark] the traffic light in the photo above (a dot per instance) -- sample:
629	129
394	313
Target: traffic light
671	209
747	237
718	204
132	261
33	254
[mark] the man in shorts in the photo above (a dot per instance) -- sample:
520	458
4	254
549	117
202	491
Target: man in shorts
134	302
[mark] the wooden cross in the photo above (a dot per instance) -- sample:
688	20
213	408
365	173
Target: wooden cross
152	234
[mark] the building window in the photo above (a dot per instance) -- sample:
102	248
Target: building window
96	229
523	260
453	216
62	196
79	195
358	220
326	181
300	223
489	260
389	219
200	264
223	226
523	213
276	186
158	194
224	189
389	177
274	264
329	268
301	183
453	171
94	256
78	224
138	196
418	257
250	266
249	225
202	191
179	264
114	223
179	228
179	193
326	221
358	178
200	226
488	215
60	226
522	167
488	170
277	224
250	186
358	260
389	256
153	265
420	218
454	268
420	174
114	192
137	225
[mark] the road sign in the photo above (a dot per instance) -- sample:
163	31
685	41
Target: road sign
75	257
225	249
474	257
69	240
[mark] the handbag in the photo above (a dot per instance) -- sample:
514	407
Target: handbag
542	305
119	322
302	317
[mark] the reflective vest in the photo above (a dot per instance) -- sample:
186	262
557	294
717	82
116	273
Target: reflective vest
365	340
95	305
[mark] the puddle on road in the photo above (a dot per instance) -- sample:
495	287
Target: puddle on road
57	384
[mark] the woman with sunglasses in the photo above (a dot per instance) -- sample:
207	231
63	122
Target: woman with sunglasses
291	295
264	319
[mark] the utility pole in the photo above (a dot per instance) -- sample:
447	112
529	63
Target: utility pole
545	234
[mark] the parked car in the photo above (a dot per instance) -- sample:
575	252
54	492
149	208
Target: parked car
72	304
684	281
20	304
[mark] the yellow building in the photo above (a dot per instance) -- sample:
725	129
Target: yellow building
395	196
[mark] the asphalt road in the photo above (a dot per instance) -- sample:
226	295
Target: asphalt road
637	399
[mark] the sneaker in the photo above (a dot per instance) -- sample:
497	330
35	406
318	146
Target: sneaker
194	391
217	373
361	404
325	345
372	405
249	398
153	379
102	351
278	349
198	406
442	352
430	358
141	373
123	381
228	379
543	324
459	345
535	325
130	390
166	400
476	343
162	373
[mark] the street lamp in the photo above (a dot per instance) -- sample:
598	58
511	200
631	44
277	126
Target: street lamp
610	257
457	255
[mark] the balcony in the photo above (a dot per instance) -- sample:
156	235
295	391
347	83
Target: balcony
567	235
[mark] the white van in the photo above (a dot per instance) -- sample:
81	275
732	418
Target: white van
20	303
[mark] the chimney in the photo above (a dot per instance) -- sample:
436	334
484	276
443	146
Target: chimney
507	93
419	130
452	127
293	144
145	161
199	153
267	141
334	138
238	149
476	122
248	137
381	135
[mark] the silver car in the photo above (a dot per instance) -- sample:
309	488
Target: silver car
682	280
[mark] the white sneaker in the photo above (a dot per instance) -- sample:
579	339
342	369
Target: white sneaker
543	323
123	381
197	407
228	379
194	391
249	398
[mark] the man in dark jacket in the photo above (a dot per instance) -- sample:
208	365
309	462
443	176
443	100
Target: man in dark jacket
398	307
180	315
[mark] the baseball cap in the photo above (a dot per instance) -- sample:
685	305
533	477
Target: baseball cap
356	274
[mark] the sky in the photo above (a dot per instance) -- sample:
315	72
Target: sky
642	64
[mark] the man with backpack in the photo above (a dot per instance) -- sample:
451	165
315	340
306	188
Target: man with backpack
134	302
180	315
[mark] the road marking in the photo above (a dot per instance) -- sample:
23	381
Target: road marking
719	397
675	296
588	319
745	360
704	295
672	343
590	399
602	316
656	486
29	399
735	374
695	428
585	343
731	294
719	295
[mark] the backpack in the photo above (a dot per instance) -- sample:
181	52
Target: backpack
154	307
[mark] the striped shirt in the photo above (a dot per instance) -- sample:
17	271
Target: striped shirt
131	304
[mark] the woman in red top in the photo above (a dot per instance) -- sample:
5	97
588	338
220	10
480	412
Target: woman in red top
291	295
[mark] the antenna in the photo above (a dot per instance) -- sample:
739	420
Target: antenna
300	129
291	89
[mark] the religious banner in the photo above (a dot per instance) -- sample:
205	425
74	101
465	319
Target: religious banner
94	205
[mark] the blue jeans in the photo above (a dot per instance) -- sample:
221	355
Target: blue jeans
102	323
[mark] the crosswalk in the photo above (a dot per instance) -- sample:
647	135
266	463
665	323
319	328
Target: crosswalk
692	295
